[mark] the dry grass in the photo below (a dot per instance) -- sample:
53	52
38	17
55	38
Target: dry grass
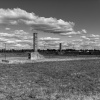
60	80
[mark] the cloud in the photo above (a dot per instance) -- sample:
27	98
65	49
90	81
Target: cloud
6	35
94	36
10	41
15	37
16	34
84	37
20	32
49	25
78	40
84	31
52	25
89	45
74	33
49	39
7	28
13	22
18	16
22	35
91	37
16	13
70	33
82	43
3	39
49	43
69	36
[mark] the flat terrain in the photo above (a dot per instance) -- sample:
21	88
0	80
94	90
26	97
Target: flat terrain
51	80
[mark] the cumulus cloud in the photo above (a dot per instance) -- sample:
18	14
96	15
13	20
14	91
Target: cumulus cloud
52	25
3	39
84	37
74	33
82	43
69	45
49	39
75	44
49	42
84	31
10	41
7	28
91	38
20	32
6	34
88	44
19	37
94	36
16	34
70	33
78	40
49	25
16	13
69	36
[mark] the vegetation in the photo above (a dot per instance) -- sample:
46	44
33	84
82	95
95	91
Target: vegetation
63	52
64	80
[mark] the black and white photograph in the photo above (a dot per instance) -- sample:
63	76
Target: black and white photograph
49	49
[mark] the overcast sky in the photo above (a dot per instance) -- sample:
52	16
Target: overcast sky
74	23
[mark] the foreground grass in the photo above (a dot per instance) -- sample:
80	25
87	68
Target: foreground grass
64	80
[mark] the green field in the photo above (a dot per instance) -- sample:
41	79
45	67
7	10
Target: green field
60	80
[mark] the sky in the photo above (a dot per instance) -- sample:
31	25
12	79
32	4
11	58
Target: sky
74	23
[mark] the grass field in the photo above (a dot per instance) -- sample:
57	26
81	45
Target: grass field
60	80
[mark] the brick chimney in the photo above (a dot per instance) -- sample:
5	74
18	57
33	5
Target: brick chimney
35	42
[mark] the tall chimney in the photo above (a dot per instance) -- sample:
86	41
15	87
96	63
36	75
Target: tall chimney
60	46
35	42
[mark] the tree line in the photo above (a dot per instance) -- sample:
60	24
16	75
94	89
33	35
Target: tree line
55	52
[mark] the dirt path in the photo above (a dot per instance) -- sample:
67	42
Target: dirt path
17	60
